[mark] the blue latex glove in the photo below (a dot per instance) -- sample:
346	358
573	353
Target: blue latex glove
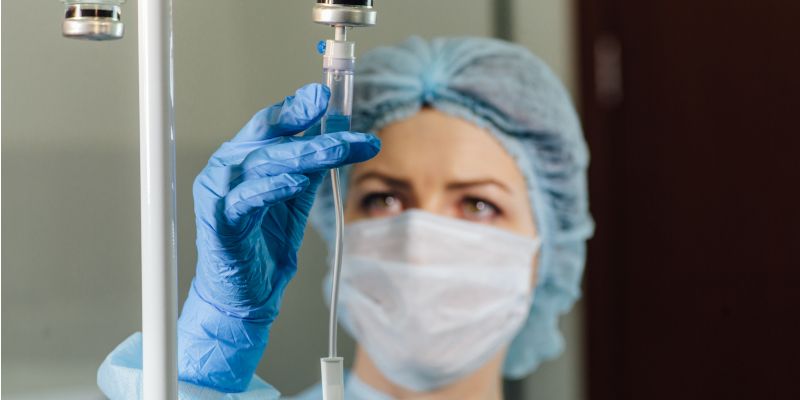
252	201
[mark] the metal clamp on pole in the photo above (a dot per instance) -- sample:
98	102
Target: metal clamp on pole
93	19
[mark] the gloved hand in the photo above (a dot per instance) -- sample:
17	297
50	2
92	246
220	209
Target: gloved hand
252	202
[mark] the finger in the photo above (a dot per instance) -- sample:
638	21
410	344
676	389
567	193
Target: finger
363	146
233	153
254	195
293	115
310	154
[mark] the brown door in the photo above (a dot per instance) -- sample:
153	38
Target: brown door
692	112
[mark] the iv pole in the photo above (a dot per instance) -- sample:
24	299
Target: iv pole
158	204
101	20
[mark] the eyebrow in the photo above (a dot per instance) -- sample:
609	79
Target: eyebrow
479	182
401	183
391	181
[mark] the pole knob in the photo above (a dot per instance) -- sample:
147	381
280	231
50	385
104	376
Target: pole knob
93	19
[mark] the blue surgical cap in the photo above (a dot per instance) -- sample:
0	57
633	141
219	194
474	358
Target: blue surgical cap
504	88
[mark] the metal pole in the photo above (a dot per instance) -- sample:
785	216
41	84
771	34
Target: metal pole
502	19
157	174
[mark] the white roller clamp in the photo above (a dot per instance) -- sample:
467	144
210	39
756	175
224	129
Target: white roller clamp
332	378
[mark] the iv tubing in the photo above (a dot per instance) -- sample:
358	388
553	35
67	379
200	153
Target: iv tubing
341	105
158	205
337	266
337	67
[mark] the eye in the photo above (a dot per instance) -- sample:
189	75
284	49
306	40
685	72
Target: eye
381	204
476	209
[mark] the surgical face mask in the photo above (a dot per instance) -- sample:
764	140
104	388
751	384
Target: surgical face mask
432	299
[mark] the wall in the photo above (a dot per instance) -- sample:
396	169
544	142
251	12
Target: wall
548	27
70	169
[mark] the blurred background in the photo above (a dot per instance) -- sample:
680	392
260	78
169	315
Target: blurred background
71	269
690	110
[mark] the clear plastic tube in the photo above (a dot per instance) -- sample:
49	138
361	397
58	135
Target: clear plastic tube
338	76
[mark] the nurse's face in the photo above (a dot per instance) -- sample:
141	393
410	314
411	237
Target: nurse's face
445	166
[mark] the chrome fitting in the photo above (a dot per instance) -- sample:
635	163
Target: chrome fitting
93	20
344	13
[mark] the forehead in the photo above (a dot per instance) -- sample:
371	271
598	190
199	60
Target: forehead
436	146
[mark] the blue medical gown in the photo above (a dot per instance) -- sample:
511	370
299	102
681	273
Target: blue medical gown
120	378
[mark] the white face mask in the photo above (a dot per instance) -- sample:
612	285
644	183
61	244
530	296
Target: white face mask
432	299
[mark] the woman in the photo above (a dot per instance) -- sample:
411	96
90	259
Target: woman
465	236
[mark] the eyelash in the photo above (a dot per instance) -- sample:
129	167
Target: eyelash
497	211
369	201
